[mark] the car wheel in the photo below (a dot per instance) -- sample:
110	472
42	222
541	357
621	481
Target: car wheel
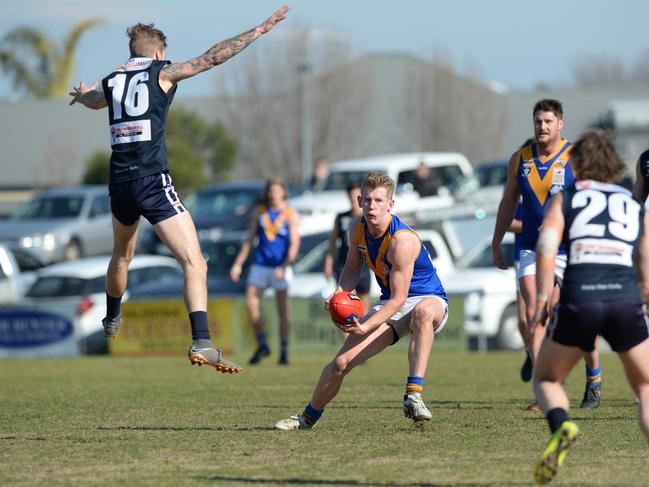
508	336
72	250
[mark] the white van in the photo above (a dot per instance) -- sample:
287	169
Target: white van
319	207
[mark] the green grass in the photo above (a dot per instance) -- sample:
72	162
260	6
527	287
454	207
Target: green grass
158	421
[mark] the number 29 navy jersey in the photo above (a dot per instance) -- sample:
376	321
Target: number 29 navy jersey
137	113
603	226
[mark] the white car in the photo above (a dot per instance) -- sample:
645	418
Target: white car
17	272
76	290
309	281
319	207
490	314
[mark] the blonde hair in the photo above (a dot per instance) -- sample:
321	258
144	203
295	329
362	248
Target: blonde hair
375	180
146	39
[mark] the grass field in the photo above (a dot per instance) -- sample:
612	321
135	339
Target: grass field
158	421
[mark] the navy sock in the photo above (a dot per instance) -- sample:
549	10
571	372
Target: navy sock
200	330
261	340
556	417
113	306
311	414
284	346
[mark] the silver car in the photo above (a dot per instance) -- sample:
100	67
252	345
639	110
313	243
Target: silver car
63	224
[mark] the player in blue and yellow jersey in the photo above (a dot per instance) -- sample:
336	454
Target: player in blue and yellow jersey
536	172
413	301
274	229
138	95
606	288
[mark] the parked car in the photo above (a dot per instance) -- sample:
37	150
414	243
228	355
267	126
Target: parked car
17	272
489	296
217	210
220	255
62	224
485	186
319	207
76	289
309	280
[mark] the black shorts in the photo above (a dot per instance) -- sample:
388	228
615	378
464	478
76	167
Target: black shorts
153	197
622	323
365	281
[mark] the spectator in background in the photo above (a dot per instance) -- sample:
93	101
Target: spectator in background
427	182
320	172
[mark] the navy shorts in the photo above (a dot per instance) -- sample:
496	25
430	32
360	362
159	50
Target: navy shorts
622	323
365	281
153	197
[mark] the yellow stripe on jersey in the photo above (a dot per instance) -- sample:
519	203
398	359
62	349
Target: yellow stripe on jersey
272	228
541	185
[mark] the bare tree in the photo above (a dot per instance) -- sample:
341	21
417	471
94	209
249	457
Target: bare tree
261	104
601	71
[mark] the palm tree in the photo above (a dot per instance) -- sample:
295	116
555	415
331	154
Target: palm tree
37	64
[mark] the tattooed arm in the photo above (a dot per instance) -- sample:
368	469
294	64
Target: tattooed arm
89	96
217	54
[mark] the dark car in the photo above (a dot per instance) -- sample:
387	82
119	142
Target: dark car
220	255
216	210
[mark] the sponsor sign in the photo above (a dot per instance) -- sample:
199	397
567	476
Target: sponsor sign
25	332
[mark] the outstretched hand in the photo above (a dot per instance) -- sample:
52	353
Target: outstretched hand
79	91
270	22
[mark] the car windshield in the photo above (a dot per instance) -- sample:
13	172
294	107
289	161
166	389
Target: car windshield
481	257
338	180
491	175
220	257
222	203
51	207
65	286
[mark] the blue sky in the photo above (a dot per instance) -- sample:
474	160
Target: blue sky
517	43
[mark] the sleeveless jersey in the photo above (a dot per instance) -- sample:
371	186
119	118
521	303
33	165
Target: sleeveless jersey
643	161
603	226
539	178
137	114
273	236
425	281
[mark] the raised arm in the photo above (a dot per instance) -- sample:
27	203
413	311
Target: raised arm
217	54
90	96
506	211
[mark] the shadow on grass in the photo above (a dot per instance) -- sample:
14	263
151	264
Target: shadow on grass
182	428
298	481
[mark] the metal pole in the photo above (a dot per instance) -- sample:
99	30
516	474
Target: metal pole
304	70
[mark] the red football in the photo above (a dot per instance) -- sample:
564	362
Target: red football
345	305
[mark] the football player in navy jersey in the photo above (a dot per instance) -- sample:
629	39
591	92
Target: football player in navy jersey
605	287
138	95
641	186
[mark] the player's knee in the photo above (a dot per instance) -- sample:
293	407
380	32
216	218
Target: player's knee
341	366
423	319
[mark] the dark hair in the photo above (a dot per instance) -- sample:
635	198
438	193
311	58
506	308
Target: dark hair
527	142
549	105
272	182
375	180
146	39
594	157
353	185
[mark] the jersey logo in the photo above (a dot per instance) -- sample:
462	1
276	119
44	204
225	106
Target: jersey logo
527	168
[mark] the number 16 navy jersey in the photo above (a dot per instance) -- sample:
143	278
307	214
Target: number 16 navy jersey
137	113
